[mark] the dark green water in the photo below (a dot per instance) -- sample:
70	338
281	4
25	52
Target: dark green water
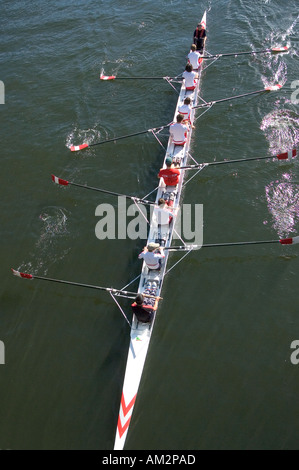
218	374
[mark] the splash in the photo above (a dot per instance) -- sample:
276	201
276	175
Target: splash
283	204
49	248
281	128
79	136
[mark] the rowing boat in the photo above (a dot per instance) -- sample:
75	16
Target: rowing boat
151	281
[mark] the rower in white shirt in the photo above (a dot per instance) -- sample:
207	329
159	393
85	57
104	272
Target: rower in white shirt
190	77
178	131
185	110
194	57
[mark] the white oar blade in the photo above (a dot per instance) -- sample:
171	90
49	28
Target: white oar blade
289	241
273	87
287	155
59	180
107	77
23	275
75	148
280	49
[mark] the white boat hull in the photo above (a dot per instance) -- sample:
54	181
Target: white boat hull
151	282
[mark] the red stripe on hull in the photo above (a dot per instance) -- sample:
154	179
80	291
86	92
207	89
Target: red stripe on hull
122	428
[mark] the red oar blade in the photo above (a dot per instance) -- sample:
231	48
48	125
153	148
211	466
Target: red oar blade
287	155
280	49
24	275
59	180
273	87
289	241
107	77
75	148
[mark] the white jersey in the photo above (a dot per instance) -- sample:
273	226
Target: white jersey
185	110
178	132
193	58
161	216
189	77
151	259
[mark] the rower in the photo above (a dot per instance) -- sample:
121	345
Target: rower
171	176
199	37
143	312
190	77
161	214
194	57
152	257
178	131
185	110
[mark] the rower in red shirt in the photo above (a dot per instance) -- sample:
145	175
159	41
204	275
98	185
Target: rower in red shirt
170	174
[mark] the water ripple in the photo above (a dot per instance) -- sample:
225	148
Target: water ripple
281	128
283	204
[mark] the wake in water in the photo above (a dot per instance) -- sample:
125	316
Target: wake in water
281	128
49	248
283	204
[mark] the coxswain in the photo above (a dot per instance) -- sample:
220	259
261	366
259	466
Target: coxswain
194	57
190	77
143	312
178	131
185	110
152	257
199	37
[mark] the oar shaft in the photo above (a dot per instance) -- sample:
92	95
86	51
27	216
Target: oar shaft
145	78
229	98
118	292
230	54
223	162
212	245
240	160
142	201
118	138
78	284
126	136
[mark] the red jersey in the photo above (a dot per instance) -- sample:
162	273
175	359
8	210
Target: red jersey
170	176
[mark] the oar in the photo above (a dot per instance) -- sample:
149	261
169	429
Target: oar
117	292
133	198
113	77
75	148
273	50
283	241
281	156
210	103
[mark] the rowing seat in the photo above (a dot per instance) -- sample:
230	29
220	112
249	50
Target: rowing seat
170	194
